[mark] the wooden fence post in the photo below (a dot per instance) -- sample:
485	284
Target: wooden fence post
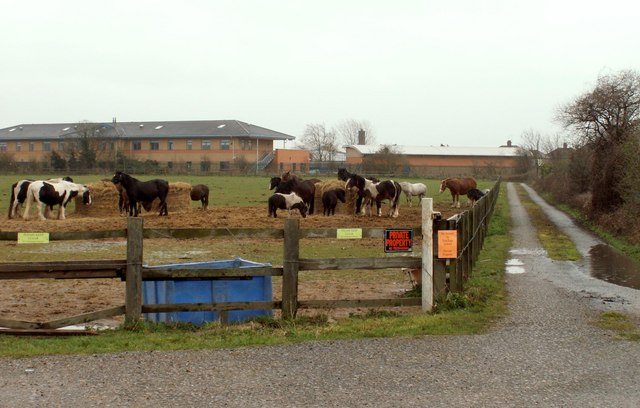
290	268
427	254
133	294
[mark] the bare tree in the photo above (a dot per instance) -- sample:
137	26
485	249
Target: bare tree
531	149
320	142
603	119
387	160
349	129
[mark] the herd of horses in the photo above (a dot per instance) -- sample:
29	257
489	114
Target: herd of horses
290	193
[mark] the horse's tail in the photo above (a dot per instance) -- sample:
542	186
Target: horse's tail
28	201
13	198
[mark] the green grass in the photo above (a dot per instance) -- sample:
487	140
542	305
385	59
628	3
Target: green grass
558	245
619	323
473	312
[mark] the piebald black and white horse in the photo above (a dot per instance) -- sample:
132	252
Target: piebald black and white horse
330	200
19	194
143	191
54	193
413	189
287	202
306	189
344	175
384	190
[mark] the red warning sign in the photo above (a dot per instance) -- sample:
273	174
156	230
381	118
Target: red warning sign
398	240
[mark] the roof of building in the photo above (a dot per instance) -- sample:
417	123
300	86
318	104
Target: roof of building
146	130
440	150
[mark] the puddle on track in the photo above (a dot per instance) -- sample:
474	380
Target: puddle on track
514	266
609	265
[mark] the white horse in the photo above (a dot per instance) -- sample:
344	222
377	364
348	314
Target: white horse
413	189
54	193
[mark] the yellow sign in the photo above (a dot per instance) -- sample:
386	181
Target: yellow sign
33	237
349	233
448	244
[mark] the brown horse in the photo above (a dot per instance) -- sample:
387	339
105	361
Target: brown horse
457	186
200	192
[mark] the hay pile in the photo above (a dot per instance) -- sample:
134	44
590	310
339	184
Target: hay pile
104	200
349	207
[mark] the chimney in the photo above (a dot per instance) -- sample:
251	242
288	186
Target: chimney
361	137
508	143
564	145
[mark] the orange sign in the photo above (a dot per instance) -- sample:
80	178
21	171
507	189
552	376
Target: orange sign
447	244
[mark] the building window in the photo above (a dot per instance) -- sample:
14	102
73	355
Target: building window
112	146
225	144
61	146
293	167
303	167
204	165
103	146
154	145
18	146
188	165
3	147
136	145
206	145
46	146
170	165
32	146
246	144
225	166
189	145
170	145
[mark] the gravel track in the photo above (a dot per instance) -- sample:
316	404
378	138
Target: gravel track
544	353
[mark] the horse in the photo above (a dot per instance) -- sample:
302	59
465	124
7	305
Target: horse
330	200
384	190
306	189
54	193
19	193
474	195
344	175
286	202
457	186
143	191
123	201
200	192
413	189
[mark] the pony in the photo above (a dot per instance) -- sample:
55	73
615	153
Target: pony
123	201
457	186
143	191
474	195
306	189
54	193
200	192
344	175
330	200
288	202
384	190
19	194
413	189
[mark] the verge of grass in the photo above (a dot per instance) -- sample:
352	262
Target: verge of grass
619	323
473	312
558	246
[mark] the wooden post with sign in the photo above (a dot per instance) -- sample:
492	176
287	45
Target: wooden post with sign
427	254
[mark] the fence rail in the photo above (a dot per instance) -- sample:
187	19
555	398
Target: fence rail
439	275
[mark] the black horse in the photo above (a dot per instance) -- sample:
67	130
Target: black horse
306	189
145	191
330	200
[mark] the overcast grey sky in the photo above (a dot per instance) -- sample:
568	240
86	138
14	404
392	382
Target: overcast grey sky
463	73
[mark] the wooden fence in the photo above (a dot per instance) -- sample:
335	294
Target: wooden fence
439	276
